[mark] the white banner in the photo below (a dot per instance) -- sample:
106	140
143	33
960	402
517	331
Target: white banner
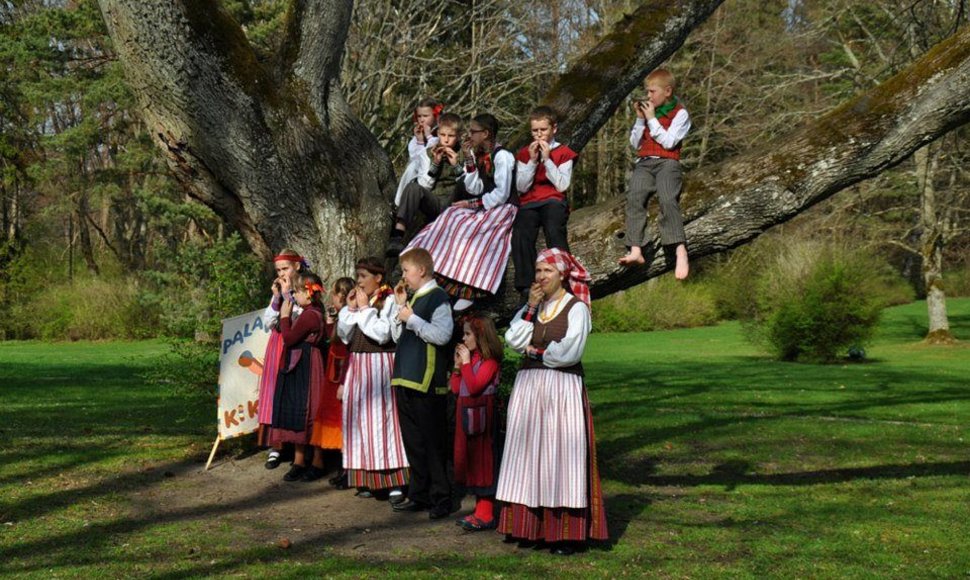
241	354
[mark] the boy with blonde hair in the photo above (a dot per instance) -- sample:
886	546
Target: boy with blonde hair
661	125
422	329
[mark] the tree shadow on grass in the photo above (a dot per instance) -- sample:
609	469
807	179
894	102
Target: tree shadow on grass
733	474
96	542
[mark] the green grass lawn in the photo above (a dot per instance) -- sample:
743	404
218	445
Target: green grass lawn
716	462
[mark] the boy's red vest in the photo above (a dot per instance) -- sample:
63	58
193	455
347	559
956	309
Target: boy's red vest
543	189
649	146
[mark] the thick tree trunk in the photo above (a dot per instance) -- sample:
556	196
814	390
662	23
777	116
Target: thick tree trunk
271	147
277	152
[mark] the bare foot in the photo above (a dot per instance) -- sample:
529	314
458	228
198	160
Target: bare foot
683	267
634	257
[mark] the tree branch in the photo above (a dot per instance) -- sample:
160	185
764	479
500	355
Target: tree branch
587	95
732	203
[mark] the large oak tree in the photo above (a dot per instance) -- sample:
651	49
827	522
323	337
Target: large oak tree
273	147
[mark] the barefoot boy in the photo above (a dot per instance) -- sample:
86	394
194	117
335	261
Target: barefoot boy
662	123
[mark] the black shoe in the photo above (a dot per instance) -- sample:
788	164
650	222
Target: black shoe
439	511
337	480
394	247
397	498
364	493
313	473
273	460
562	549
409	506
295	473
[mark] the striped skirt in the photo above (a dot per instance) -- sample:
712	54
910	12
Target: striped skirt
267	380
470	246
549	477
371	432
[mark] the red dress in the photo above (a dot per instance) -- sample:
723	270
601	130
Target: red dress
476	455
327	432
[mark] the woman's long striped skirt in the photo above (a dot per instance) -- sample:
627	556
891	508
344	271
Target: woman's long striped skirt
548	479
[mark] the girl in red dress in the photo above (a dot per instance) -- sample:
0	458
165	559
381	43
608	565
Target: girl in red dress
299	382
475	380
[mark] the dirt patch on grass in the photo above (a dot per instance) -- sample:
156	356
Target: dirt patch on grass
261	510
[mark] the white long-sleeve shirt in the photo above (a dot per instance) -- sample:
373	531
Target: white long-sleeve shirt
567	351
436	331
376	326
417	158
271	316
559	175
667	138
504	162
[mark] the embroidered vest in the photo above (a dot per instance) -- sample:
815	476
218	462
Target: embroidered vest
542	189
418	364
491	389
649	146
551	331
486	174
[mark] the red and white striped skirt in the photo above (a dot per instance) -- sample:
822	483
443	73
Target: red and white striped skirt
371	432
545	460
470	246
267	380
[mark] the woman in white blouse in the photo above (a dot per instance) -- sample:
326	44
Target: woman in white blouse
548	480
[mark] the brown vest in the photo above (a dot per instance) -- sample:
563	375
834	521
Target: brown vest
553	331
360	342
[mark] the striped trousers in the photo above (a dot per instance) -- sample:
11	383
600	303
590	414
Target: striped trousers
665	178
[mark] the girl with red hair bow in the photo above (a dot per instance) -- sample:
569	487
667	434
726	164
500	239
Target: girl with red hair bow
548	480
299	382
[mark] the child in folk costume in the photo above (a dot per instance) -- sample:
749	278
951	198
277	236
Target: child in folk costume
407	199
299	383
422	329
549	480
661	125
543	174
469	241
373	454
436	169
326	425
475	379
287	264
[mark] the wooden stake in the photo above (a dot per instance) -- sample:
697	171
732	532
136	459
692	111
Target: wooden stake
213	453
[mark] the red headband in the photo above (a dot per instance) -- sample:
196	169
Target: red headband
288	258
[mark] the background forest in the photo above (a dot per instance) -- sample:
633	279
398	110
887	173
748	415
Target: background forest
100	241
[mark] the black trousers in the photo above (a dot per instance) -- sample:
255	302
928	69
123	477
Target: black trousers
424	432
416	199
551	217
